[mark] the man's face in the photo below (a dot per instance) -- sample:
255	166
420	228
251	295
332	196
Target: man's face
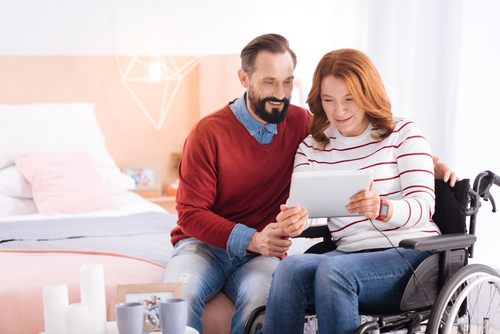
269	86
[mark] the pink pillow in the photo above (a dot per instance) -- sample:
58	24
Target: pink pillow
65	183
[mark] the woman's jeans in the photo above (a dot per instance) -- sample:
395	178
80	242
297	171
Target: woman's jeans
338	284
205	270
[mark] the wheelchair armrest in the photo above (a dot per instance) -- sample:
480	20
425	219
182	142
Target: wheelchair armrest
440	242
320	231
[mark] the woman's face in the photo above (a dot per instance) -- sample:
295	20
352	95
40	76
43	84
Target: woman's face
340	108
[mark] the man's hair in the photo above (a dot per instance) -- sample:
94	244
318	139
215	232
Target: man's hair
273	43
363	82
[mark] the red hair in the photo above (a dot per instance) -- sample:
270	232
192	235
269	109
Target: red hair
364	84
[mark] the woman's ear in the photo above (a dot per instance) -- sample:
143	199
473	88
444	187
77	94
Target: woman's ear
243	78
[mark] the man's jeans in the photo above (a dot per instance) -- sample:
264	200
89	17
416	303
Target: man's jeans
343	282
204	270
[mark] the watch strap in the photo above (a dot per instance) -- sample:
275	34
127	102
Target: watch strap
383	211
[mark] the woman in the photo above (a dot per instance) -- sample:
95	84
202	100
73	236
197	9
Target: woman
353	128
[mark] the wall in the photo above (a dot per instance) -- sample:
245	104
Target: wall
219	82
477	116
131	138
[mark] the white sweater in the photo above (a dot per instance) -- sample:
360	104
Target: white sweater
403	173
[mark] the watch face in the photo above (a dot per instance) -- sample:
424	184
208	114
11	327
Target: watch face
384	210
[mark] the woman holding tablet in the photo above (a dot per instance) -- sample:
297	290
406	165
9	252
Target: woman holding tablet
353	129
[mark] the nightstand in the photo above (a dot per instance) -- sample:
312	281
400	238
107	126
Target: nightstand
166	202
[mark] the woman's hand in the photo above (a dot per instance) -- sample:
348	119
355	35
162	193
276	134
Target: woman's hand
365	203
292	220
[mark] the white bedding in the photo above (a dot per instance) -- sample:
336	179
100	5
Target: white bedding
128	201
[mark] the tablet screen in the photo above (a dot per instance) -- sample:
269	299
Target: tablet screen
326	193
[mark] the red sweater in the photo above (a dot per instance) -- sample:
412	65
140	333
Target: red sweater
227	177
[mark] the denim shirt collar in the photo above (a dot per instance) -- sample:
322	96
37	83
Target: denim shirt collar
241	112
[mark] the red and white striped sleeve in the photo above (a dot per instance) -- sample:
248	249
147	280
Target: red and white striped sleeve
416	175
302	163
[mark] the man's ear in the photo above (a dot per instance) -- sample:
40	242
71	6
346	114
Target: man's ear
243	78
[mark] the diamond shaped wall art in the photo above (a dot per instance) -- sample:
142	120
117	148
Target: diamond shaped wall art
149	78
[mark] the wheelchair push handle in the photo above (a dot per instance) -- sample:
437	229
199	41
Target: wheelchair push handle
496	180
483	183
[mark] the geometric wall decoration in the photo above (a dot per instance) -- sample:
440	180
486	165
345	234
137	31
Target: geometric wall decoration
153	83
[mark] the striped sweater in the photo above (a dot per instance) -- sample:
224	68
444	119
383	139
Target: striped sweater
402	172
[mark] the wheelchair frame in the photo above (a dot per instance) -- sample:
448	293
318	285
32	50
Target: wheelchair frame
448	275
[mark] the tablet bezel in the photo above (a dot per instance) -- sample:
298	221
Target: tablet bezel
326	193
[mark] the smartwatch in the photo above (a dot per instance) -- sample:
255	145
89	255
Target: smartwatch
383	211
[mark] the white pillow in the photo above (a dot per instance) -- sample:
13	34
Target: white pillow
28	129
10	206
13	183
115	180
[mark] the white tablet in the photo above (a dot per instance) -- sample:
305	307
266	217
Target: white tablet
326	193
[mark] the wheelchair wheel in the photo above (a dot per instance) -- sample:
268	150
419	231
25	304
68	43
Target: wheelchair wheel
468	303
255	323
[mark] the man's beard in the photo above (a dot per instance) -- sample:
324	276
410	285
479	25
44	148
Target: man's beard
275	116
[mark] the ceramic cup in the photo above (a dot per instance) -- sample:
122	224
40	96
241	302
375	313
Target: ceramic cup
173	316
130	318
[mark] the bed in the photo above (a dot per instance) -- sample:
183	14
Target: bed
64	203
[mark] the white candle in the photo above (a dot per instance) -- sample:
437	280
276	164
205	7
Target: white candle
93	294
76	319
55	302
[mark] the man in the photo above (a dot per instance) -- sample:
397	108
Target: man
234	174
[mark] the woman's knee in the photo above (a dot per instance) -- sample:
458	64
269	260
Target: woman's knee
287	266
336	270
297	269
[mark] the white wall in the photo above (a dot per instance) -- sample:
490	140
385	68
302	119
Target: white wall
107	27
477	125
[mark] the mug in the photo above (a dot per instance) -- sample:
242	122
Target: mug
173	316
130	318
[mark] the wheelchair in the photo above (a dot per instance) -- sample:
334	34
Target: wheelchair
445	294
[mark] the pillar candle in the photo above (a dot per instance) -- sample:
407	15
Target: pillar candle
55	302
76	319
93	294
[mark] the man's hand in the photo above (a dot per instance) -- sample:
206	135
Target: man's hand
271	241
292	220
443	172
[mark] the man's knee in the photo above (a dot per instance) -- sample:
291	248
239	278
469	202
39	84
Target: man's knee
255	295
253	287
197	271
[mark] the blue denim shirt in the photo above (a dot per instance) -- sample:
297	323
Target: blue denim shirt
262	133
241	234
